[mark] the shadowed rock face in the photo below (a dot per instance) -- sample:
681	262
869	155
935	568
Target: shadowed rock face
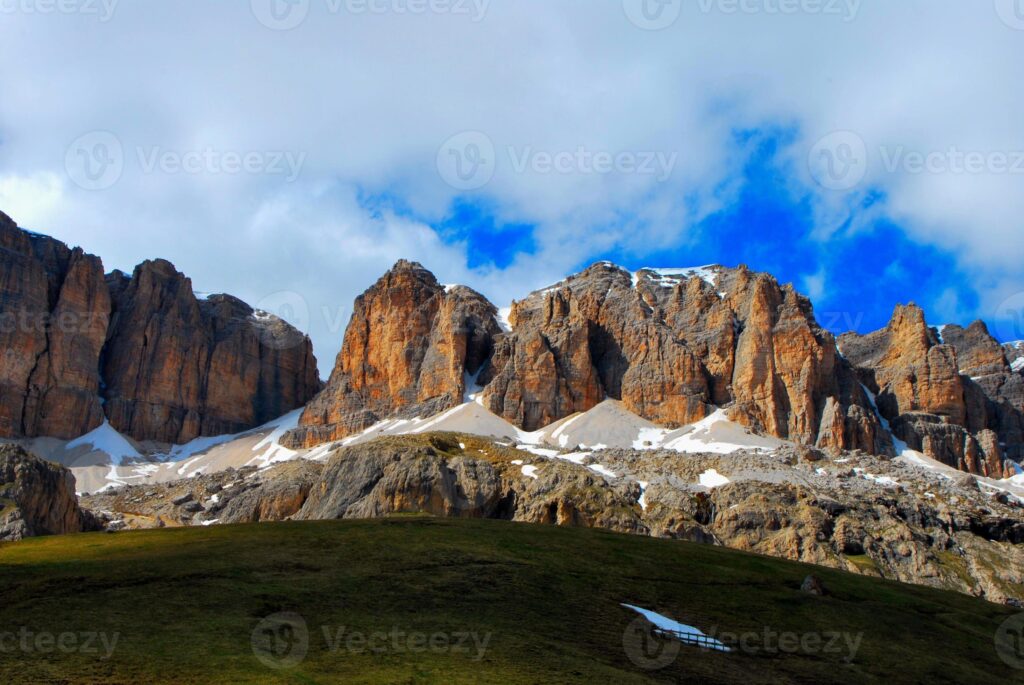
956	398
177	367
671	347
407	350
37	497
173	367
54	312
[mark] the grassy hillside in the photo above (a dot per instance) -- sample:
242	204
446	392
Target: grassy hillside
422	600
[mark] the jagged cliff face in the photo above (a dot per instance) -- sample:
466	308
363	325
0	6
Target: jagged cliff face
956	398
177	367
670	346
408	349
143	351
54	311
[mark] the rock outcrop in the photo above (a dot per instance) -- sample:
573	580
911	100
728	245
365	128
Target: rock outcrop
143	351
954	397
54	312
672	346
411	348
37	497
177	367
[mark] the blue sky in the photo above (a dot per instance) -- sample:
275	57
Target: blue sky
291	157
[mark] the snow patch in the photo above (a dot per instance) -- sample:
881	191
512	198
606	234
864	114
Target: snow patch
106	439
671	277
603	470
712	479
530	471
679	630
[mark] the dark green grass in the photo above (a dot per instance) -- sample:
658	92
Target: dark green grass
185	603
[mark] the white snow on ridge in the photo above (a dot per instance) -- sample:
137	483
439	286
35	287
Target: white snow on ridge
670	277
274	451
1017	364
603	470
712	479
106	439
503	319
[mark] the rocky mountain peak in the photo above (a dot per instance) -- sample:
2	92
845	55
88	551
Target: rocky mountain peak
954	398
672	344
172	367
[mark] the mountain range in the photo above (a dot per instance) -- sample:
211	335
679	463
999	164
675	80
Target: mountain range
702	403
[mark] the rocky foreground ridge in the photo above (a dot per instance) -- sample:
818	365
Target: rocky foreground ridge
141	351
673	346
854	512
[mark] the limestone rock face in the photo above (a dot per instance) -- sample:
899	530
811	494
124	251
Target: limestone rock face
670	345
37	497
956	398
177	367
411	347
673	346
54	312
159	363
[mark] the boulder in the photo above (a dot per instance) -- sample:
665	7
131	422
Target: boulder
37	497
